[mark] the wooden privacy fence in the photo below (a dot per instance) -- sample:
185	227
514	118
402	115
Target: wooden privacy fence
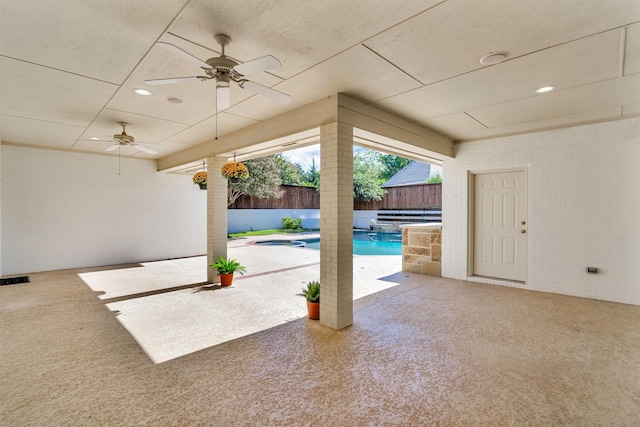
293	197
419	196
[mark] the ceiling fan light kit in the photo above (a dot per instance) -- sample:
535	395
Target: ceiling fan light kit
224	70
223	93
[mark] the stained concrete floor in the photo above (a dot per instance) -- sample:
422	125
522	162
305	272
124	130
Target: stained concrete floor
422	351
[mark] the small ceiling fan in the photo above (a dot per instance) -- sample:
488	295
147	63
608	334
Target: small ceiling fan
224	70
123	139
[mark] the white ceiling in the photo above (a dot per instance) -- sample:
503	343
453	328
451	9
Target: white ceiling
68	68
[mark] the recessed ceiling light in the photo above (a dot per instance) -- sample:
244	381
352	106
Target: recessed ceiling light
494	58
142	92
544	89
175	100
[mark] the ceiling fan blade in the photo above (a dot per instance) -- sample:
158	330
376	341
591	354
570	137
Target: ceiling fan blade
184	54
258	65
145	149
113	147
273	94
173	80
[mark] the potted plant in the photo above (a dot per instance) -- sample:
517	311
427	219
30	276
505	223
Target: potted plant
200	178
226	268
312	294
372	224
234	171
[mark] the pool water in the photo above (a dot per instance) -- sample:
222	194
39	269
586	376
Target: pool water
364	243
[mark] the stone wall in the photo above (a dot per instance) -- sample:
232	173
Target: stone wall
421	245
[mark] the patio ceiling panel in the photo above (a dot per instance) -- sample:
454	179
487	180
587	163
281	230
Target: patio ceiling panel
38	133
586	61
301	34
454	35
49	95
98	40
609	93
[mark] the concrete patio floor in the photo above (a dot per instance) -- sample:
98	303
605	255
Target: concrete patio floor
98	346
170	311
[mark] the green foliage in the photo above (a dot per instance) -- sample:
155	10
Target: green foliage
289	223
311	292
269	231
366	177
370	170
263	182
435	179
290	173
228	266
391	165
311	178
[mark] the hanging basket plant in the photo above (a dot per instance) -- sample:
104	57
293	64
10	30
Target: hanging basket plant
200	178
235	171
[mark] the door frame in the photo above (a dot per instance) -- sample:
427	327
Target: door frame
471	194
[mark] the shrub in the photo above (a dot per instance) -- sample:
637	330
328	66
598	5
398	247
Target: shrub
435	179
291	223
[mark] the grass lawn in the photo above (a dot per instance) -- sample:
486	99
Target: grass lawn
271	231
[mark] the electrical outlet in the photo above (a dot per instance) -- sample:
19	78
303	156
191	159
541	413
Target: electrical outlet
593	270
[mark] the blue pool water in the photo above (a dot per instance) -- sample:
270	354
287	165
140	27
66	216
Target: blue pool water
364	243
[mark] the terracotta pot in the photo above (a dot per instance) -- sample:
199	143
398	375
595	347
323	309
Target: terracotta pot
226	279
313	308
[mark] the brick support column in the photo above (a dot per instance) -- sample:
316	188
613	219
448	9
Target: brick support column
216	214
336	225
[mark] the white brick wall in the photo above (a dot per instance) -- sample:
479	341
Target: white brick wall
63	210
1	270
336	225
216	214
584	207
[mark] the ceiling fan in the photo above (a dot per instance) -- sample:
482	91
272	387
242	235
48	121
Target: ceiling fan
123	139
224	70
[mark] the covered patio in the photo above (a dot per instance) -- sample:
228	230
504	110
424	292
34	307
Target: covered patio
421	351
336	122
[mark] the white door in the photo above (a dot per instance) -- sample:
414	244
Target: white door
500	225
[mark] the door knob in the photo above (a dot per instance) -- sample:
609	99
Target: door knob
523	222
523	231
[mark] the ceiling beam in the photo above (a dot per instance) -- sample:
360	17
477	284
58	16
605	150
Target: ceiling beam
392	130
298	120
335	107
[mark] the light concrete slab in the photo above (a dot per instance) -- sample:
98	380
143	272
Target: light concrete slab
168	323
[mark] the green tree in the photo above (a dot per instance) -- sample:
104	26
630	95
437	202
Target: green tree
290	173
367	181
263	182
435	179
391	164
311	178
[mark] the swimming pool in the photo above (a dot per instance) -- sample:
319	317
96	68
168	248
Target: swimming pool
364	243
